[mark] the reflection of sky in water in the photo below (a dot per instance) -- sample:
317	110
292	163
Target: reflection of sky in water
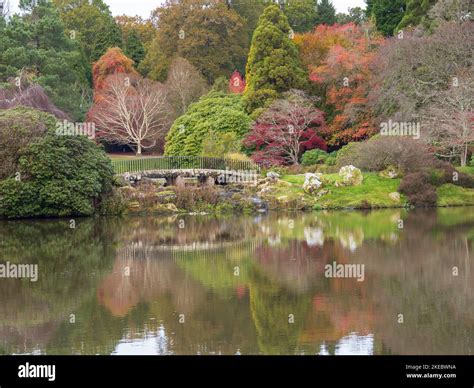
153	344
352	345
35	352
159	344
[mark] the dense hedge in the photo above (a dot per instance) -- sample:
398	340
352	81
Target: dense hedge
216	113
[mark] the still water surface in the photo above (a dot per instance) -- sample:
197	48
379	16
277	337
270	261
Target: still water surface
242	285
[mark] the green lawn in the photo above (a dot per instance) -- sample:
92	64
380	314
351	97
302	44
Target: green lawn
374	192
129	156
467	170
451	195
121	156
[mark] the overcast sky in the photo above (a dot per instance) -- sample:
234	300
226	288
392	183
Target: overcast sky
144	7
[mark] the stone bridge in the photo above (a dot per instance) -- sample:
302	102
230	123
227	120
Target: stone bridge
174	169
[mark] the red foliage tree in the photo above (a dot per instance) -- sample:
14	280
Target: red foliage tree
289	127
236	83
340	59
114	61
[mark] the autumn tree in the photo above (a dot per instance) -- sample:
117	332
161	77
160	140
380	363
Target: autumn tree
207	33
290	126
411	72
340	60
133	111
185	85
451	10
449	120
143	27
92	24
112	62
273	64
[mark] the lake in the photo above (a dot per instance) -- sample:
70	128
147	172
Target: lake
266	284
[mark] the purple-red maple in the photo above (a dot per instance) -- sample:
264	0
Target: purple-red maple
288	128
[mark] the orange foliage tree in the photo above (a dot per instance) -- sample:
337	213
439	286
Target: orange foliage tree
340	59
114	61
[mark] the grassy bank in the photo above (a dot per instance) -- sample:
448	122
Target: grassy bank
286	193
451	195
373	193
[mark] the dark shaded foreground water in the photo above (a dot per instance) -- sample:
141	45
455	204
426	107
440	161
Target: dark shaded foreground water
242	285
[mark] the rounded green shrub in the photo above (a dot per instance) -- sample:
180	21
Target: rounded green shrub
218	146
331	160
216	113
221	84
312	157
346	152
19	127
60	176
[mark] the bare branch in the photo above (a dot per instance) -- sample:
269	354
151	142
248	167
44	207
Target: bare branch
133	111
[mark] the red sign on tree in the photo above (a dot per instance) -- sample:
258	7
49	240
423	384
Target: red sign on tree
236	83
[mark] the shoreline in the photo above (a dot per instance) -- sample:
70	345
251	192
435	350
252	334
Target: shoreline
285	193
234	212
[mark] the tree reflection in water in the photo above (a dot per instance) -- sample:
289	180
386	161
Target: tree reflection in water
246	284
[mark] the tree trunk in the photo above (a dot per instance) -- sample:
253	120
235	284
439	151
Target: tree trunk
464	156
139	149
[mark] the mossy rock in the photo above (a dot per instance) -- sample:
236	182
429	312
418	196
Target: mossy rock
351	176
390	172
168	208
167	196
